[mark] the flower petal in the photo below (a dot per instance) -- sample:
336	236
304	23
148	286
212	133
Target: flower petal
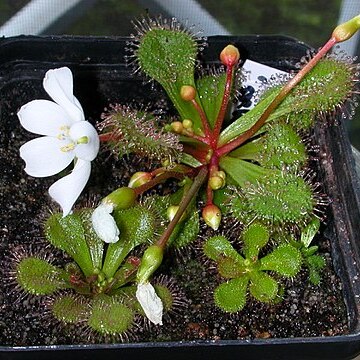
104	224
43	156
43	117
89	150
58	83
150	302
66	190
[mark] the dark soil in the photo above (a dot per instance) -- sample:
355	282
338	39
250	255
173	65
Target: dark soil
306	310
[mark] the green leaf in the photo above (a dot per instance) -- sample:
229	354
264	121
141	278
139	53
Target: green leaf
315	264
249	151
230	267
110	316
231	296
137	226
278	198
168	57
140	134
186	231
263	287
308	251
189	160
285	260
211	90
327	86
314	276
242	172
255	237
246	121
68	234
95	244
38	277
70	309
309	231
126	273
282	147
166	296
218	246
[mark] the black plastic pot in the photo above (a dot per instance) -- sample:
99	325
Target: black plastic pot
100	77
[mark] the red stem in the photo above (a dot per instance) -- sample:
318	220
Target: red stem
203	118
159	179
225	149
223	107
198	154
203	139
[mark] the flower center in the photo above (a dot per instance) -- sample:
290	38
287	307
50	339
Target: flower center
64	132
65	135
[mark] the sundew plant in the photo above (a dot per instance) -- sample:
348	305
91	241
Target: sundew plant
254	169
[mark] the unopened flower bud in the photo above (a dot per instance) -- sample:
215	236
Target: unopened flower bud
165	162
121	198
220	173
216	182
139	178
150	261
209	155
187	92
212	216
346	30
177	127
187	123
230	55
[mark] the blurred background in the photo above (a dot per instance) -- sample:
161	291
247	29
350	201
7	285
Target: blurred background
307	20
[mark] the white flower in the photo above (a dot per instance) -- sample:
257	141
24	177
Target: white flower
104	224
150	302
67	137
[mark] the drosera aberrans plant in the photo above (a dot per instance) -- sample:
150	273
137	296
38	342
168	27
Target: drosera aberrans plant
255	170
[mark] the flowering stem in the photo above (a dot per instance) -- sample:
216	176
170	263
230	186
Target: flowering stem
203	118
224	104
225	149
184	203
213	167
160	179
203	139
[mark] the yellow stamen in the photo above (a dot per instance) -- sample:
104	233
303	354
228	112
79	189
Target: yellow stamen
64	132
68	147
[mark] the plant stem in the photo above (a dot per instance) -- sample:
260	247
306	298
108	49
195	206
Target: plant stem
225	149
198	154
159	179
203	139
184	203
203	118
223	107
